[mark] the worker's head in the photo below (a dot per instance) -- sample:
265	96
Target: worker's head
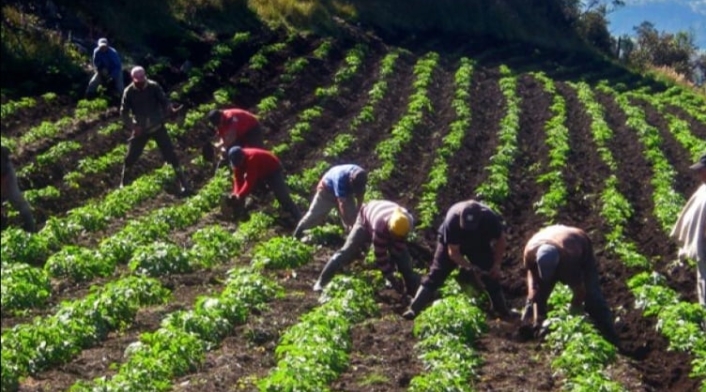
359	180
235	156
400	223
547	261
700	168
214	117
103	44
139	76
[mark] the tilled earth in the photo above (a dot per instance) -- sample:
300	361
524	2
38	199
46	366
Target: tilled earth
383	357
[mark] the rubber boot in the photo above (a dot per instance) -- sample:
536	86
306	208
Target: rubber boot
123	183
327	274
420	301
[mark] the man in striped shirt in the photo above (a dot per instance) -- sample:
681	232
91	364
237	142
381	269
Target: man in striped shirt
387	225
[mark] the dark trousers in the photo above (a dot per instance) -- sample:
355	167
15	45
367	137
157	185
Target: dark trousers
137	144
278	186
442	266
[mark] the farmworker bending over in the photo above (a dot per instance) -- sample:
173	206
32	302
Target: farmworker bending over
236	127
106	63
387	225
253	166
564	254
690	230
143	110
11	192
472	238
342	186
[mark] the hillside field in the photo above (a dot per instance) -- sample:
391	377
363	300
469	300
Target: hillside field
541	137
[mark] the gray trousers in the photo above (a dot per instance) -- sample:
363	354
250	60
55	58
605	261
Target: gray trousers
11	192
97	79
356	241
324	201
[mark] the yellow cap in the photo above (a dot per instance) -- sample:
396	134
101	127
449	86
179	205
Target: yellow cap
399	223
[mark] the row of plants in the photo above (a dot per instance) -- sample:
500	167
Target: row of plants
678	320
141	236
428	208
351	64
678	127
29	348
62	149
25	286
86	110
683	99
497	187
180	344
219	52
667	201
10	108
313	352
557	138
292	67
211	245
419	105
343	141
447	331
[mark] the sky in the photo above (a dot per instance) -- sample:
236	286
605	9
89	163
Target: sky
666	15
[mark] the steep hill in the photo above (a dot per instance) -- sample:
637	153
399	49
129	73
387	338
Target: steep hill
576	138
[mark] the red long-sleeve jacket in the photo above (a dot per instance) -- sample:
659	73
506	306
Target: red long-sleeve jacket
256	165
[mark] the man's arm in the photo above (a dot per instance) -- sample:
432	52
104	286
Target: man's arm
457	257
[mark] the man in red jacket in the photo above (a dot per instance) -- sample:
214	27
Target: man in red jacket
236	127
253	166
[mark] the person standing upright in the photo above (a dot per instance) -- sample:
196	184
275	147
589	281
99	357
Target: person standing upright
106	63
690	230
143	110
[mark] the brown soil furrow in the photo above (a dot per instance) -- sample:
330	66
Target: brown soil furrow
467	166
662	370
412	167
499	348
697	127
679	157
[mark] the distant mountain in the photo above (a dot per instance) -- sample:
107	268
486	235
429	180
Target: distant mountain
666	15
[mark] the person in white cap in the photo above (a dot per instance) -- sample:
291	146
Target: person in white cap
471	238
564	254
143	110
690	230
386	224
106	63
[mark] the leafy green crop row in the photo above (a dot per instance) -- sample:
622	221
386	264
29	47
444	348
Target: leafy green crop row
418	106
497	187
428	208
29	348
314	351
